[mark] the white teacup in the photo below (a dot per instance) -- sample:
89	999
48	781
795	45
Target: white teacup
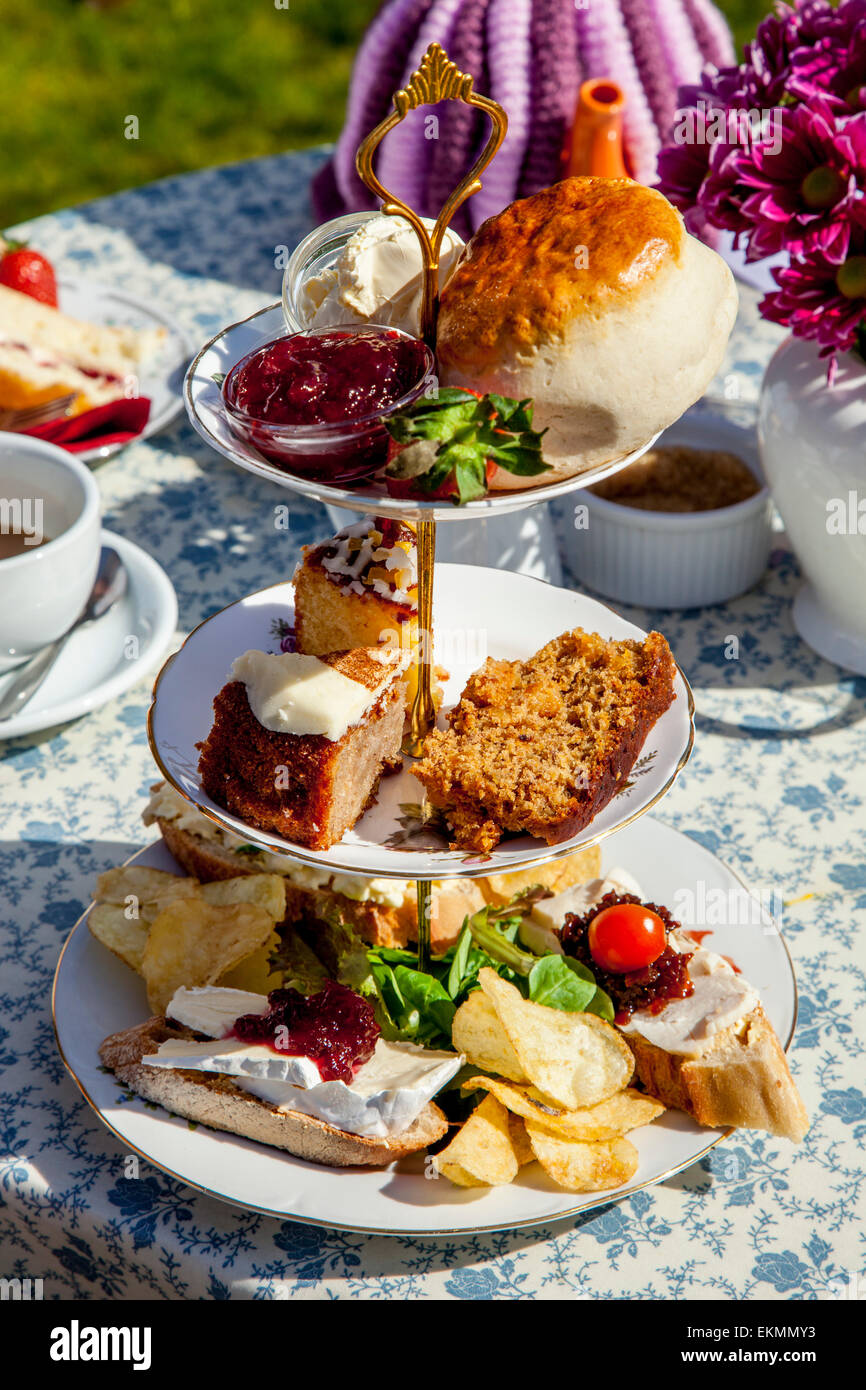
45	494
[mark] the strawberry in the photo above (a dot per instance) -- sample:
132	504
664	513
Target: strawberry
448	446
28	272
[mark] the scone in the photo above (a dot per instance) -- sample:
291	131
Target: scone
592	299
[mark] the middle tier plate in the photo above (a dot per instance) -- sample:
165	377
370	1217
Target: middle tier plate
476	613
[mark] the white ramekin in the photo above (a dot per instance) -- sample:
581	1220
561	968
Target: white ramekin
676	559
44	589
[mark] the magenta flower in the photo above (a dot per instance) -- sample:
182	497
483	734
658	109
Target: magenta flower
838	75
803	180
774	151
821	299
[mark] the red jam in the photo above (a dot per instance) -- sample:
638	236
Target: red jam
335	1028
666	978
332	378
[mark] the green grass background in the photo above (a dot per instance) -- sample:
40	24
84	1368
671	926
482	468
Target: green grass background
210	81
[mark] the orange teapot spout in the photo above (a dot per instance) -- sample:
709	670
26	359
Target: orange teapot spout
596	136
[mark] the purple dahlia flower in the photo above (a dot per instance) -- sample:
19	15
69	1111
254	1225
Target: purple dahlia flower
830	56
822	299
795	187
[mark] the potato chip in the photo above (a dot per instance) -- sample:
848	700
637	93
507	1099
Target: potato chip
581	1167
267	891
477	1032
574	1059
555	875
523	1150
194	943
254	973
609	1119
125	936
145	884
481	1154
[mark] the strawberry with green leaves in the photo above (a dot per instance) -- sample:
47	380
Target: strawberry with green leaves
28	272
448	446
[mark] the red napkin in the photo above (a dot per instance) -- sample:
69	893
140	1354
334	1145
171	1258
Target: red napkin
115	423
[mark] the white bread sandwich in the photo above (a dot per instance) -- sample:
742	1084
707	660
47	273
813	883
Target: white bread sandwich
382	911
45	354
701	1040
218	1058
591	299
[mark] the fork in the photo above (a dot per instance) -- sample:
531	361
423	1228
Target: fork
16	421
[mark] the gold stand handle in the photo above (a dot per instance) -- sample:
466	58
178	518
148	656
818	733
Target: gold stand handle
436	79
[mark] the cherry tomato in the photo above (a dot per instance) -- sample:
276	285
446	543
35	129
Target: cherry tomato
626	937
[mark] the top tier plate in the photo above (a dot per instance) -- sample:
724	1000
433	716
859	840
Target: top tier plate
204	405
476	613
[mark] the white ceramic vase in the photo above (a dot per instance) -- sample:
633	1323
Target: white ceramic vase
813	449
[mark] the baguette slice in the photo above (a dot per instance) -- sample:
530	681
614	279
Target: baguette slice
214	1100
742	1079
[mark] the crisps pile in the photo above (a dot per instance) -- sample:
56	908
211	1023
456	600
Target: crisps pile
561	1095
176	931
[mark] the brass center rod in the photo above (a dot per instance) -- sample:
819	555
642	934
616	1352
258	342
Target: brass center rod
424	898
423	715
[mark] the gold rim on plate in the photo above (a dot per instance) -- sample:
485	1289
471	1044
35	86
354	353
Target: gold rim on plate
300	855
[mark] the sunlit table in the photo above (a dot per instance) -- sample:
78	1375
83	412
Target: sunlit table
775	787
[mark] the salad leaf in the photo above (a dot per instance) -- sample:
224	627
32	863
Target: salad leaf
300	966
601	1004
561	983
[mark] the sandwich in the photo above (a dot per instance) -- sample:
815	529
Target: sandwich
307	1074
381	911
699	1036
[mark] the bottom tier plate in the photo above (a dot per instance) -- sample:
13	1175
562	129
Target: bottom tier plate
95	994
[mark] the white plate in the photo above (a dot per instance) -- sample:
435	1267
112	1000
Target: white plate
477	612
104	658
162	376
204	406
95	994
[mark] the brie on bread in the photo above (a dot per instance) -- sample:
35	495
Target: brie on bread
385	1096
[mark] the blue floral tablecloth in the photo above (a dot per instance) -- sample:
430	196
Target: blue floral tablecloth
775	787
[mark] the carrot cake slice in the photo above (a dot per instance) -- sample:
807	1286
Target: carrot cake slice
539	747
299	742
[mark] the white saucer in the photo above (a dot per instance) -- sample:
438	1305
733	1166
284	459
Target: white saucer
204	404
105	658
477	613
96	994
161	378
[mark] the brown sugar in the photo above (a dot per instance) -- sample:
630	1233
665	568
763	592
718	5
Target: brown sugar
307	788
541	746
676	478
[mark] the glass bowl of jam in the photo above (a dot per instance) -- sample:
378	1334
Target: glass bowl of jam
316	402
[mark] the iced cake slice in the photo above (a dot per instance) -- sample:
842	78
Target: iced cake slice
299	742
45	354
539	747
361	588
